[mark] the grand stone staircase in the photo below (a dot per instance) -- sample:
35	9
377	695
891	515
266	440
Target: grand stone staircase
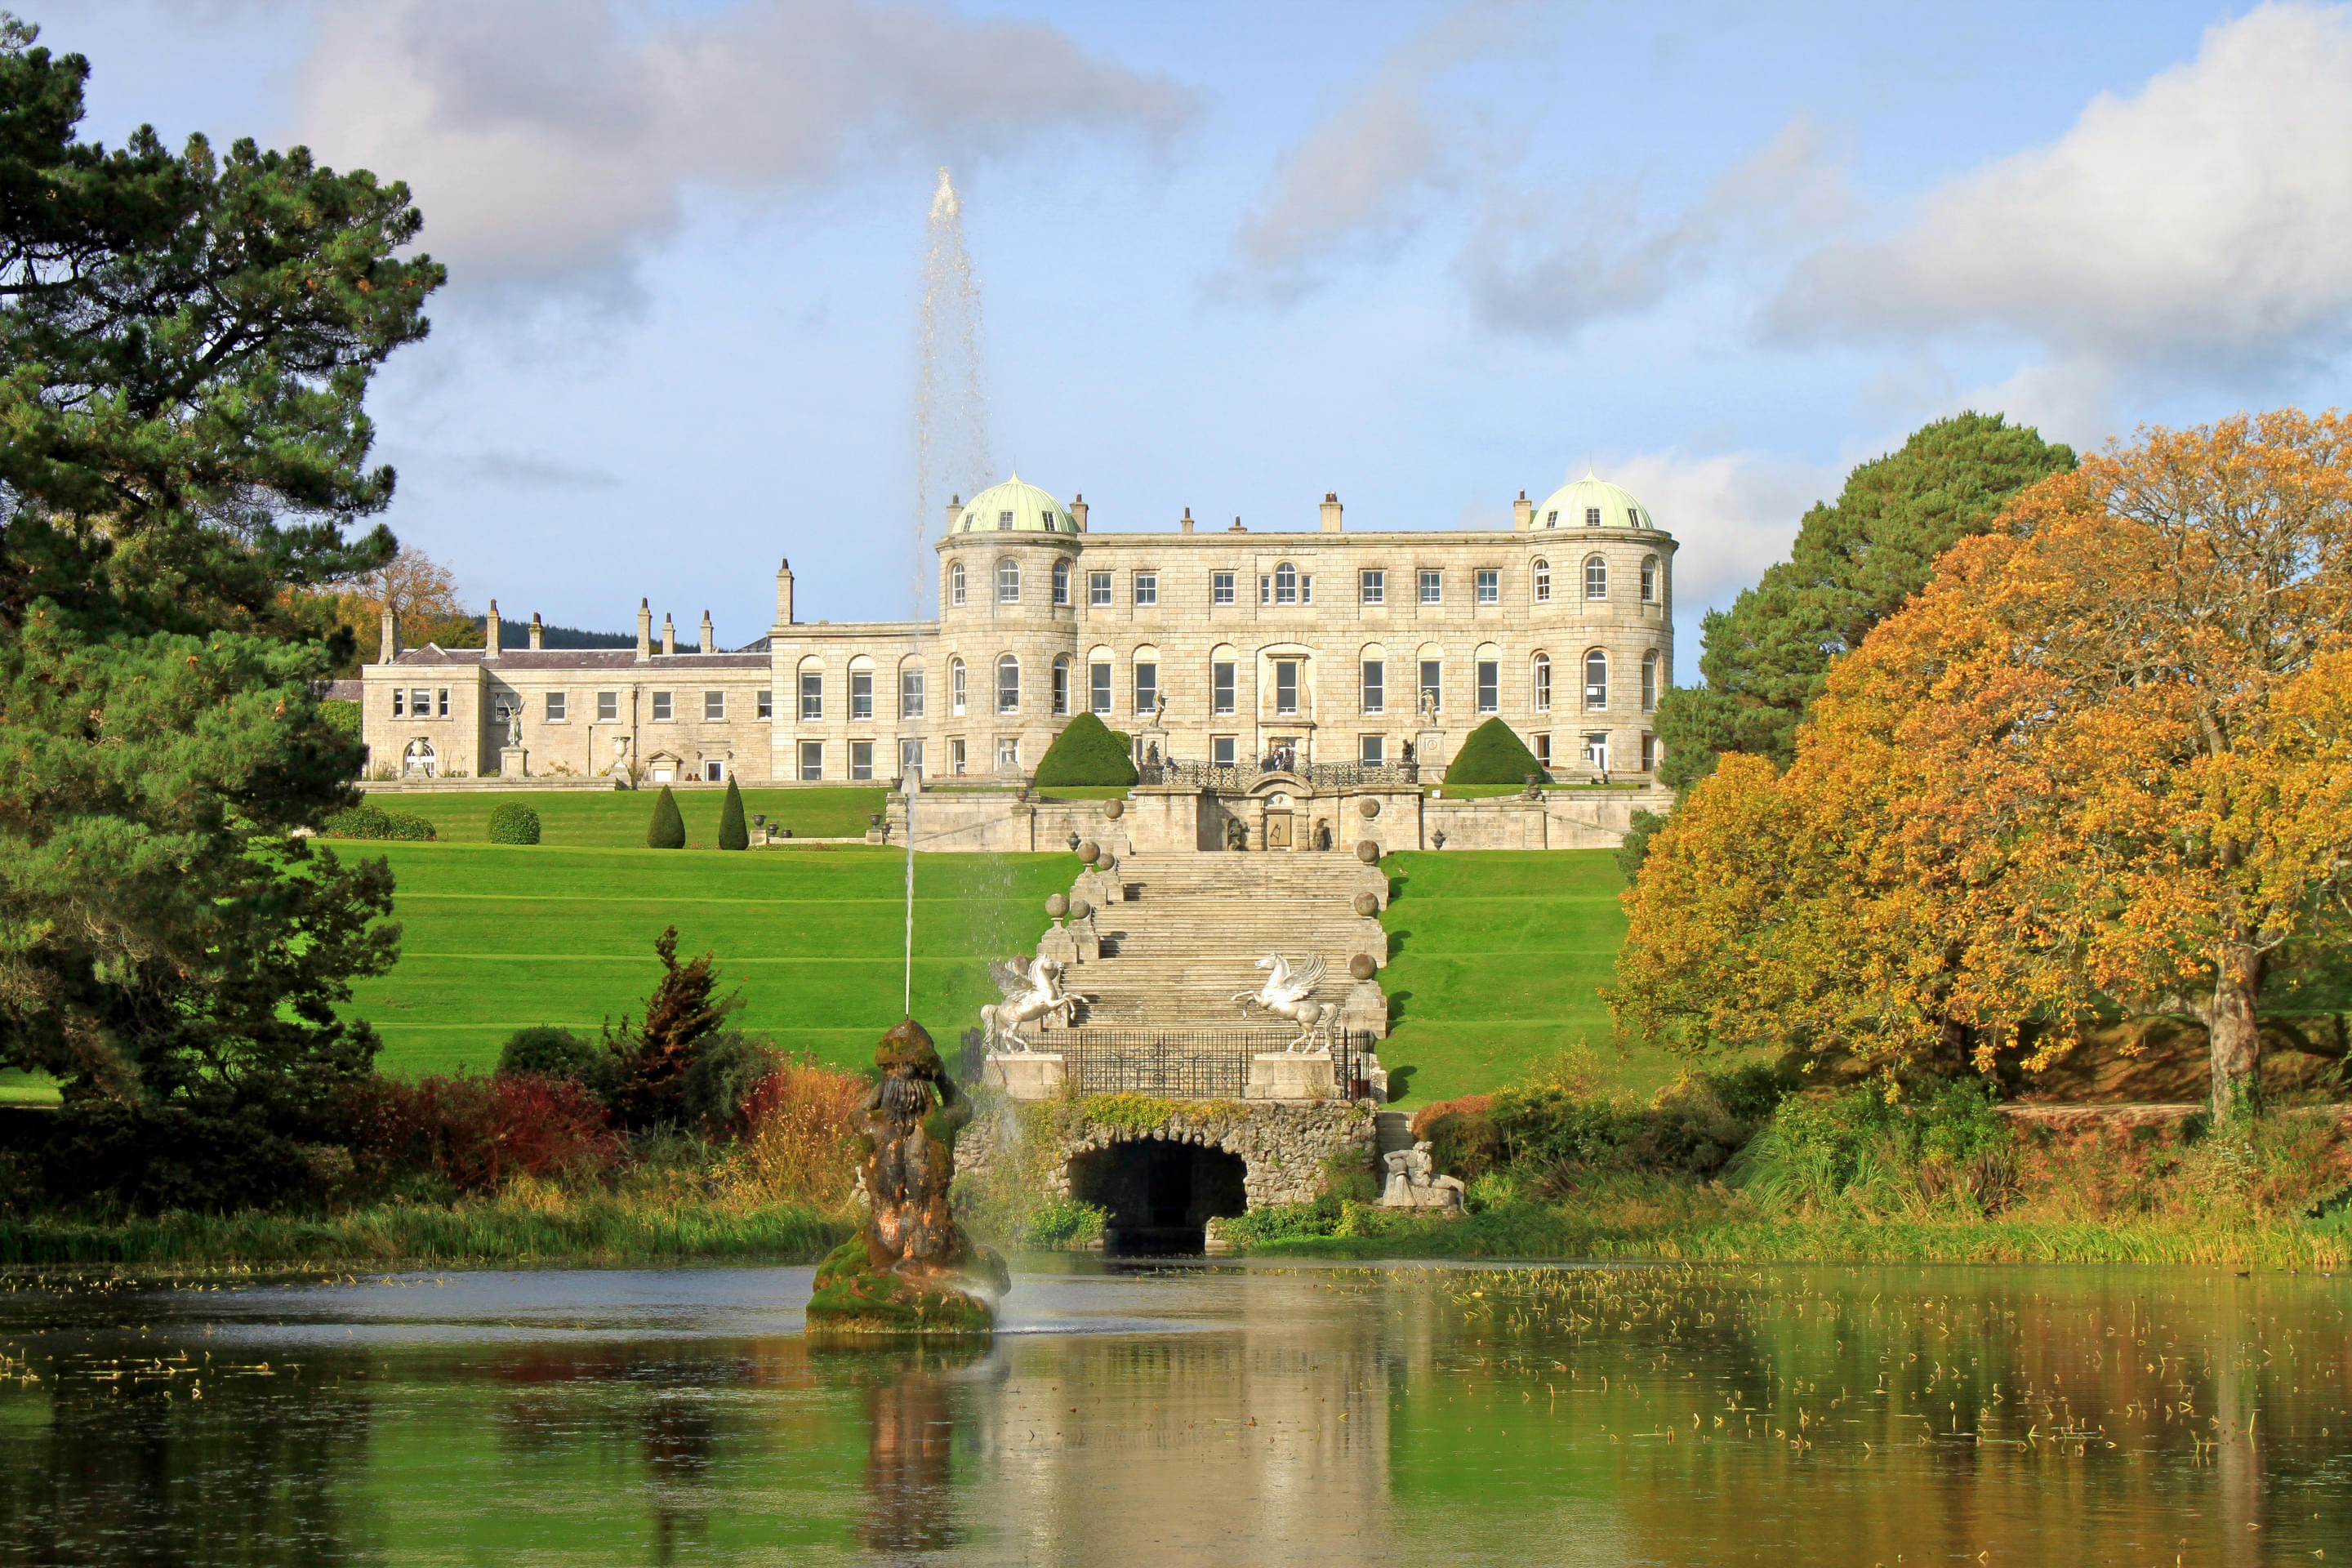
1189	930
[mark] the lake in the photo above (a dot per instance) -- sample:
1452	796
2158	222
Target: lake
1209	1412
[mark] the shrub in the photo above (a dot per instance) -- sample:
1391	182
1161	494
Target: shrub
1064	1224
1493	755
342	716
1636	848
1087	751
733	833
475	1135
511	821
558	1053
374	822
798	1131
725	1071
1855	1150
667	830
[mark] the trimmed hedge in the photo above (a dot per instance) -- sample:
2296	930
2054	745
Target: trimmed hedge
375	822
511	821
1087	751
1493	755
667	830
733	834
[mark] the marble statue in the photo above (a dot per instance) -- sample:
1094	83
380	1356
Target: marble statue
1289	994
1031	993
912	1269
1413	1182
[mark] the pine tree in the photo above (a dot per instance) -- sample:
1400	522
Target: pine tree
667	830
651	1059
1854	564
732	833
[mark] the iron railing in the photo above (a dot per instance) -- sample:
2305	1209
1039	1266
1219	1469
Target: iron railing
1242	776
1191	1064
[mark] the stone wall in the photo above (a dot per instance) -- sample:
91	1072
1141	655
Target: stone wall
1282	1147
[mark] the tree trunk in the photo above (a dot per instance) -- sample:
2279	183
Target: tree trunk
2233	1033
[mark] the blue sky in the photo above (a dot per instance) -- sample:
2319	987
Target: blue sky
1233	256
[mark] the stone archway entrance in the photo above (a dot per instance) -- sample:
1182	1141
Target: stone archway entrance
1161	1193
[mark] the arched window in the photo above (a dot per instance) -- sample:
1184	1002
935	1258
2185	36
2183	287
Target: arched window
955	686
1286	584
1543	582
1008	685
1649	579
1062	581
417	758
955	581
1650	680
1543	682
1596	680
1061	684
1008	582
1596	577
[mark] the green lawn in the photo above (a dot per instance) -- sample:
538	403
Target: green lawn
617	819
497	937
1495	958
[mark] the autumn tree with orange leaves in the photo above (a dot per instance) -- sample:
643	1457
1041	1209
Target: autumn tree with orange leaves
2102	762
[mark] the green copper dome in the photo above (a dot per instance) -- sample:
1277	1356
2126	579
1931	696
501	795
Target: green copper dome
1015	506
1591	501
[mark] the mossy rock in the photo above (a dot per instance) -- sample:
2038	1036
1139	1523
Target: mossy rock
852	1297
1493	755
1087	751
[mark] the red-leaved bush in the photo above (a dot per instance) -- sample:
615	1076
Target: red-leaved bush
478	1133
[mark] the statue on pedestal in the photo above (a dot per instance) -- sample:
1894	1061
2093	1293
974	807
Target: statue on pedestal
1413	1182
913	1271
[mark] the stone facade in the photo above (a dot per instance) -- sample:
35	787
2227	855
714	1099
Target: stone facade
1326	646
1282	1147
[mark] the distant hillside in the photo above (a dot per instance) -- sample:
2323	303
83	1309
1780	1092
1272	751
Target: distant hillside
517	634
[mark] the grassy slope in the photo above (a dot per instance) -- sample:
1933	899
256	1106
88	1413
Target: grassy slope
498	937
617	819
1497	956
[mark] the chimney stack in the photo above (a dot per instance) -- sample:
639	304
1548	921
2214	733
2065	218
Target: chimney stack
1186	525
1523	513
1237	527
1330	511
490	635
538	633
387	637
709	640
955	511
645	629
669	634
784	593
1078	513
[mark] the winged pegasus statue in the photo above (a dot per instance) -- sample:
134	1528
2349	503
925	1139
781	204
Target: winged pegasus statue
1290	994
1031	992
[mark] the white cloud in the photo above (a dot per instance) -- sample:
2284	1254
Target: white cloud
2201	220
542	136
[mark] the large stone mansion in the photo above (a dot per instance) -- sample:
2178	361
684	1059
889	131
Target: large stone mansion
1225	646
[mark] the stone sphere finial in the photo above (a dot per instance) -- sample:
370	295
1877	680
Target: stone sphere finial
1368	806
1362	967
1056	906
1089	851
1366	851
1366	904
1113	810
1080	908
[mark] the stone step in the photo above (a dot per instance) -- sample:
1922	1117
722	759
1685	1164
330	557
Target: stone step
1393	1133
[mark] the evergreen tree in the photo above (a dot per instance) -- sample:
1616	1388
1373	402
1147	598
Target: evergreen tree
667	830
652	1060
1087	751
185	341
1764	660
1493	755
733	832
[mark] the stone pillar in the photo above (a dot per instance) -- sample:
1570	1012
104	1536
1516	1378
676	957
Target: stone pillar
387	643
490	635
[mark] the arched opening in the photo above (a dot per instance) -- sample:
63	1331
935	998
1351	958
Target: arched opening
1159	1194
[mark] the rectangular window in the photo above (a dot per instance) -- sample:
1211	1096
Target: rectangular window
1433	694
1593	516
714	705
956	761
1099	688
1098	588
1061	582
1265	589
442	697
861	759
1008	686
910	694
420	703
812	694
1372	751
1221	751
1376	685
714	771
1432	588
955	583
861	694
1147	688
1306	588
661	705
1541	746
1649	683
1286	686
1373	587
1146	587
1008	753
1490	586
1543	685
608	707
1649	754
1008	582
1220	587
812	761
1220	687
1490	686
1596	751
910	758
955	688
399	702
556	704
765	705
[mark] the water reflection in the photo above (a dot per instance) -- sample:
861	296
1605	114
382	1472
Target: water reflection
1306	1415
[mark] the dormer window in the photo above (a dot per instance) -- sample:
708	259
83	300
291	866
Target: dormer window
1551	518
1004	521
1633	517
1593	516
1049	522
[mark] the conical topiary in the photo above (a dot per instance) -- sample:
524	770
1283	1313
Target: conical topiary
732	833
668	830
1493	755
1087	751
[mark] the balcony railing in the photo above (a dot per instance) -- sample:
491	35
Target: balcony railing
1242	776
